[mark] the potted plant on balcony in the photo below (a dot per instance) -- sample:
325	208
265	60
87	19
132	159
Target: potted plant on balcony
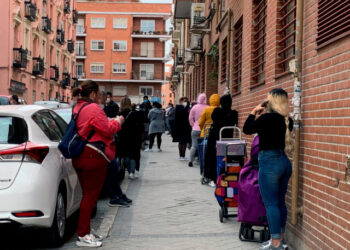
156	32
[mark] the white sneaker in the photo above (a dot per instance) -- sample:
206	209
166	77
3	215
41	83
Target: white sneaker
159	150
148	150
180	158
185	159
88	241
212	184
95	235
132	176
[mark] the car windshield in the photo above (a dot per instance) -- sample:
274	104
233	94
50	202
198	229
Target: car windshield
13	130
66	114
4	100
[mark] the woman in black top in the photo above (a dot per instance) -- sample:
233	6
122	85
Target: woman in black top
274	129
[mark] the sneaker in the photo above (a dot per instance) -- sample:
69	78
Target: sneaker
212	184
204	181
271	247
132	176
118	202
148	150
181	158
95	235
125	198
88	241
184	159
159	150
190	164
284	243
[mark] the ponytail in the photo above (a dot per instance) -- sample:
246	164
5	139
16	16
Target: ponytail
85	89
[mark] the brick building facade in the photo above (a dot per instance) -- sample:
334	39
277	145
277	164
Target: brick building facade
122	46
245	49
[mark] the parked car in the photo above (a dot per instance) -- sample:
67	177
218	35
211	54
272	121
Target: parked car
52	104
65	113
38	186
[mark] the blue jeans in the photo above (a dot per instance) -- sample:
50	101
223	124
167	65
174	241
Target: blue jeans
130	164
275	170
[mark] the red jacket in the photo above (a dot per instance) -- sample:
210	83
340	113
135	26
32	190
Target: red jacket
92	117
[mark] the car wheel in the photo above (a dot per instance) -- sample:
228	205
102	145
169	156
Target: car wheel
57	231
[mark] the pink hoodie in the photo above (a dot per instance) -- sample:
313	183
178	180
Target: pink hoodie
196	112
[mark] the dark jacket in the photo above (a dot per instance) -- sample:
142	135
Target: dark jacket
222	117
145	107
111	109
130	137
182	128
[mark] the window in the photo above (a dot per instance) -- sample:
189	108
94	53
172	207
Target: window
80	70
237	56
48	125
97	22
43	51
147	26
119	68
119	90
333	21
97	44
80	48
97	67
286	34
14	130
147	49
223	60
259	42
27	38
119	45
120	23
146	71
34	96
57	58
146	91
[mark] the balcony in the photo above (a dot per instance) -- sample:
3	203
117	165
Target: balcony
46	25
30	10
20	57
75	16
38	66
60	36
161	35
67	7
147	76
54	73
80	53
81	30
175	79
148	55
65	80
70	46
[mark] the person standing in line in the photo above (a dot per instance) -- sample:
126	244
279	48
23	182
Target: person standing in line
170	116
156	127
274	129
91	165
222	117
145	107
130	137
182	127
195	114
214	102
110	107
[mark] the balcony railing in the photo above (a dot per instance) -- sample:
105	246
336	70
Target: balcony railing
60	36
67	7
80	30
157	32
20	57
80	51
46	24
30	10
65	80
54	73
75	16
38	66
149	53
80	75
70	46
144	75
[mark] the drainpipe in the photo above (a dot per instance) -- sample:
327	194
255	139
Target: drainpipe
228	60
295	210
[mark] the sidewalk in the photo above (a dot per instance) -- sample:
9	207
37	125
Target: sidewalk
171	210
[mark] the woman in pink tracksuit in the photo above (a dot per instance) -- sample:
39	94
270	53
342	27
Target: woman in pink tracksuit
195	114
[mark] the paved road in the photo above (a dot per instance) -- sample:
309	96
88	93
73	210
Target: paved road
172	210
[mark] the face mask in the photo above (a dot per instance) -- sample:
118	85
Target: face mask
108	100
185	104
145	101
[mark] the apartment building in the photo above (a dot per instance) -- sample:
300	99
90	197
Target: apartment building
246	48
37	49
121	45
168	95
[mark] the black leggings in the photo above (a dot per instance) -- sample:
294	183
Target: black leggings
159	139
182	149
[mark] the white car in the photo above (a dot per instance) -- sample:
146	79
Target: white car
38	186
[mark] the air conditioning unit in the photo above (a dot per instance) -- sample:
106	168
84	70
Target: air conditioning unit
196	41
197	15
189	57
